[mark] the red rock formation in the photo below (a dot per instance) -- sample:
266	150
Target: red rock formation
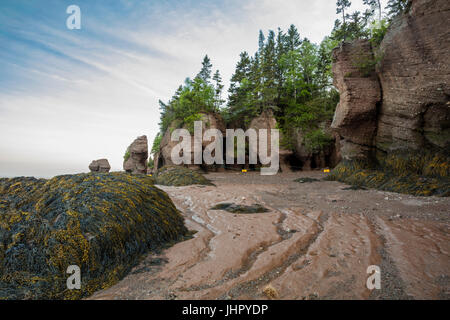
266	120
355	116
137	161
405	104
415	78
163	157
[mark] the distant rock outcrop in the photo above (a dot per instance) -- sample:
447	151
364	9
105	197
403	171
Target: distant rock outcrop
137	156
101	166
266	120
164	158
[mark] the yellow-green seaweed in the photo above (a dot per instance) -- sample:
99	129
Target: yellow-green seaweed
420	173
101	222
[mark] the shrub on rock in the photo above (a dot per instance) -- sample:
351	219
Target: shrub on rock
179	176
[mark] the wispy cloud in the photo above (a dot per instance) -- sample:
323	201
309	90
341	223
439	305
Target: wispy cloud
70	96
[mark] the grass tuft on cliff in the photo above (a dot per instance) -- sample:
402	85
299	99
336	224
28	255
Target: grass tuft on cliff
416	173
102	223
180	176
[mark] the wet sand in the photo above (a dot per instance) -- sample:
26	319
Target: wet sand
315	243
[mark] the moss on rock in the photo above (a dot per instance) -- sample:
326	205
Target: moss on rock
417	173
179	176
101	222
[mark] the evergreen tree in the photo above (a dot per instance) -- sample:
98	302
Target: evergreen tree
205	72
324	73
269	72
397	7
341	6
218	86
374	5
242	72
357	26
261	41
292	38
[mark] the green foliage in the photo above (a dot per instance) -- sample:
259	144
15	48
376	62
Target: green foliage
397	7
317	140
151	163
378	30
103	223
179	176
366	63
156	143
291	76
189	121
194	97
127	155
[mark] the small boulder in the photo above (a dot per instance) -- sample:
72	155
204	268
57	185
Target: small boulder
101	165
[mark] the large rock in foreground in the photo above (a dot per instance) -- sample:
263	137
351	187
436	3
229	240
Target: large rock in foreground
102	223
137	156
101	166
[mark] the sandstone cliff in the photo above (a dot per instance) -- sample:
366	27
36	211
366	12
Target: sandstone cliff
405	103
395	118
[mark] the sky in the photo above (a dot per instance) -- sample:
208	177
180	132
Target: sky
68	97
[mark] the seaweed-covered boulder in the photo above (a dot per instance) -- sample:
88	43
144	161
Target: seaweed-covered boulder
136	157
179	176
101	165
102	223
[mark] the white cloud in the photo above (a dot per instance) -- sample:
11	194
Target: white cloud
89	115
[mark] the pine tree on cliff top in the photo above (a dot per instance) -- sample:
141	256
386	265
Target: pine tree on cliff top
374	5
269	72
342	5
205	72
397	7
218	86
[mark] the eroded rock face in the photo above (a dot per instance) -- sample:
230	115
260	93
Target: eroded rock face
267	121
101	165
415	78
137	161
355	117
404	105
164	158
